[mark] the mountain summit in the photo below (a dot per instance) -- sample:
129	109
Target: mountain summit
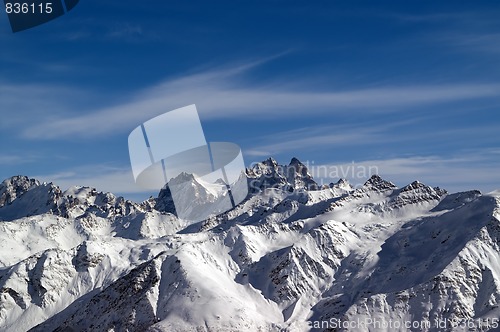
293	256
268	174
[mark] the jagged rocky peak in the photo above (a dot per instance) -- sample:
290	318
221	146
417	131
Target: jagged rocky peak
416	193
269	174
81	194
295	161
14	187
22	196
441	192
299	168
299	177
421	188
270	162
272	263
377	183
165	202
415	185
182	178
266	174
342	184
88	197
268	166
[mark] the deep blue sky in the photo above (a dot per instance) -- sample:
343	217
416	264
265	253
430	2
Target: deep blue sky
411	87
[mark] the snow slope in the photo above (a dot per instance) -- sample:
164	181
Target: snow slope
291	257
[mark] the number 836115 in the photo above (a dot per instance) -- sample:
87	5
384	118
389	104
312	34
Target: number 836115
28	8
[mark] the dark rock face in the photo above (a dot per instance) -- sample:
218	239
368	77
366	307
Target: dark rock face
269	174
87	260
164	202
14	187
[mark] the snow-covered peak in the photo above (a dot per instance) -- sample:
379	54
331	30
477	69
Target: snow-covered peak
283	259
269	174
416	193
271	162
26	197
342	184
84	195
420	188
299	177
376	183
182	178
416	185
14	187
266	174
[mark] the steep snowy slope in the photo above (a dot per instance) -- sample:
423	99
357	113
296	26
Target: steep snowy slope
291	257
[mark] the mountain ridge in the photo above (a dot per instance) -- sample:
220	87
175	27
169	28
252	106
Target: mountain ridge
292	256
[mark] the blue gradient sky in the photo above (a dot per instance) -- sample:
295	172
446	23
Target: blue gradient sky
410	87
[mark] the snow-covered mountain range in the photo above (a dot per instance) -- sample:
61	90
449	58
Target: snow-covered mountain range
294	256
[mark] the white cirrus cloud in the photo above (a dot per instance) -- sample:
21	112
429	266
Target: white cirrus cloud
221	94
467	171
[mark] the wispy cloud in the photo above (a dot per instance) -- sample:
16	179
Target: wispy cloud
426	18
221	94
467	171
474	42
10	159
310	138
125	30
471	31
25	105
102	29
409	132
307	142
118	180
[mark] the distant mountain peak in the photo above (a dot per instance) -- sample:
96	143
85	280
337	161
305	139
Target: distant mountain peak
269	174
376	182
90	260
182	178
414	185
295	161
270	162
14	187
342	182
